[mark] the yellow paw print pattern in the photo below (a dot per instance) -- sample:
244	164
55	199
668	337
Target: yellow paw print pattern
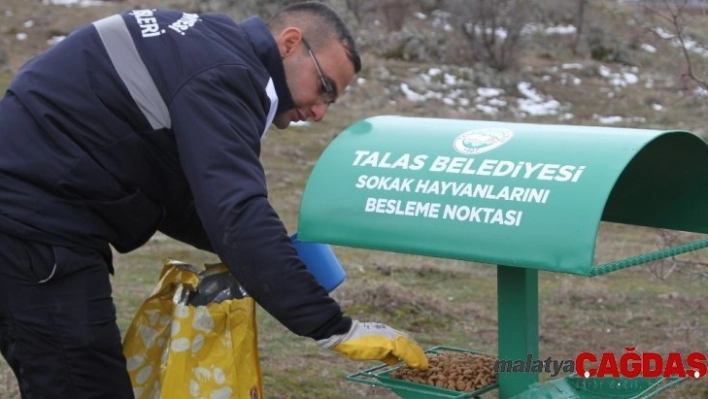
176	350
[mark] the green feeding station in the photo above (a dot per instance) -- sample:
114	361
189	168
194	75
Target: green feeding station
524	197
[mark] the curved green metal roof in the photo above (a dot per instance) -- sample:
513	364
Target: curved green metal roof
527	195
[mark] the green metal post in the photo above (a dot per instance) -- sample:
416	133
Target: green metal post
517	303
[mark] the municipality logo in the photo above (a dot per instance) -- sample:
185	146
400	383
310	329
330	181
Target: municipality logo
481	140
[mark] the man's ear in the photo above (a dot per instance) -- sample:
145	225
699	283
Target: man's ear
288	41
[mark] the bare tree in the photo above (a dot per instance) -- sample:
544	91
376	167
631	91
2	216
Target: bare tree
357	9
394	12
674	11
663	268
492	28
579	20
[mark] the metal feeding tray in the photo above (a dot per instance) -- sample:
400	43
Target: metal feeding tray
380	376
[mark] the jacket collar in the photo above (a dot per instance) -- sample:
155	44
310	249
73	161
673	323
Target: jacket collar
267	51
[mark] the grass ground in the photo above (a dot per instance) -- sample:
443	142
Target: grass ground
445	302
442	302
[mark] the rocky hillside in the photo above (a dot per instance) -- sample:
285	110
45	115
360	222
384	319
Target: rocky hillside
623	69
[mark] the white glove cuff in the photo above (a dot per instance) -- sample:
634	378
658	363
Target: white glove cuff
337	338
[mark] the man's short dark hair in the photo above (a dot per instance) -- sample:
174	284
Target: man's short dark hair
320	22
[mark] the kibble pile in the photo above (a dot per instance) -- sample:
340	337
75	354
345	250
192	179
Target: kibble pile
459	371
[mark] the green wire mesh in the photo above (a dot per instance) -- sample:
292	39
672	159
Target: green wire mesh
649	257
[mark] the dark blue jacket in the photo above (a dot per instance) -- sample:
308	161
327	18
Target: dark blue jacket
152	120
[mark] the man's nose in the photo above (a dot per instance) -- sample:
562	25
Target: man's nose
318	111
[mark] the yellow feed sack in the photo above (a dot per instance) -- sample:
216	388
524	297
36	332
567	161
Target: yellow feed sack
175	349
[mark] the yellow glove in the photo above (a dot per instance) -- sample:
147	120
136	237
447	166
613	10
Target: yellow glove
376	341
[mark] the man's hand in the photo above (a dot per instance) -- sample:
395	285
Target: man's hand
376	341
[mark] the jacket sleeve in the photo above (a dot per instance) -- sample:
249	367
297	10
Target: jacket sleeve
184	225
218	118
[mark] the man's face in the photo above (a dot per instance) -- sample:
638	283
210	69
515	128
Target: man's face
305	79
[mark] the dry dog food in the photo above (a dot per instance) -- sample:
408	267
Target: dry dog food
459	371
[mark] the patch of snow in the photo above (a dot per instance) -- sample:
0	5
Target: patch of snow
489	110
608	120
440	20
572	66
417	97
690	44
648	48
489	91
498	32
526	89
410	94
534	103
80	3
663	33
455	93
450	79
619	79
630	78
529	29
561	30
570	79
700	92
531	107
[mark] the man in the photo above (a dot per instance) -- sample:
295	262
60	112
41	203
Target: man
151	120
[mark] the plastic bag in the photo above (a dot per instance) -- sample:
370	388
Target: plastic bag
194	337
